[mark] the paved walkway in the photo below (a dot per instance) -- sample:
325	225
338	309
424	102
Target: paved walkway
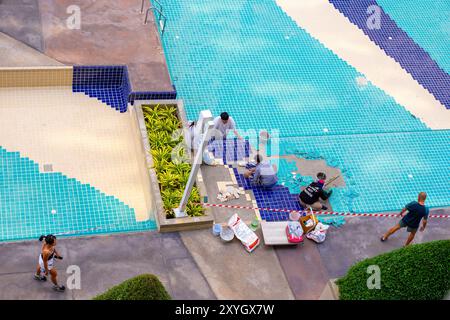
14	53
111	33
308	268
104	261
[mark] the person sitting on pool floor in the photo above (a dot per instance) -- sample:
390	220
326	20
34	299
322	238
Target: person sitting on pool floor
224	124
263	174
311	195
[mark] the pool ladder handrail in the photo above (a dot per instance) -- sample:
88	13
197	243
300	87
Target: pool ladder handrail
162	19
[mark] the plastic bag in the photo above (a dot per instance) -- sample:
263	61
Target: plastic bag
208	158
248	238
294	232
319	233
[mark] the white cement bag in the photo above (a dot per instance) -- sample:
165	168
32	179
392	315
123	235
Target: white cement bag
248	238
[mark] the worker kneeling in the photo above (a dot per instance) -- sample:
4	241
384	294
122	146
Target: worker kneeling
262	174
311	195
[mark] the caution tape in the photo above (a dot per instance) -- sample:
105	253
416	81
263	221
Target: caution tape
347	214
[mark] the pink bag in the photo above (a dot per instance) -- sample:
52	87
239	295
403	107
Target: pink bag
294	232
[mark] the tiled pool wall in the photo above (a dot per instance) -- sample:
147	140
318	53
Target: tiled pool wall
399	45
153	95
36	77
112	85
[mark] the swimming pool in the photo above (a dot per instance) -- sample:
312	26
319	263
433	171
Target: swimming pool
418	19
249	58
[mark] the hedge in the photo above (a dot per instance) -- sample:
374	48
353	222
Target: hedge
143	287
417	272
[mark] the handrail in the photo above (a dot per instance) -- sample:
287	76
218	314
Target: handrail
144	1
161	18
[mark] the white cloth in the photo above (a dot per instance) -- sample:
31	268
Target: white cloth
224	128
50	263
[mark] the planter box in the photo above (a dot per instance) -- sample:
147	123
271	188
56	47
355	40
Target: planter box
165	224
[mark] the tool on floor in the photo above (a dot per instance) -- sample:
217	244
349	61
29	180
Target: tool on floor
331	180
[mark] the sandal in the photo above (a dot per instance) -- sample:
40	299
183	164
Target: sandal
40	278
59	288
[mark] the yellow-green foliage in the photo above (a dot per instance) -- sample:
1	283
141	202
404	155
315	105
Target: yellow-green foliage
162	124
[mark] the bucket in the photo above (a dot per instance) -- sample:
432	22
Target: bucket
227	234
294	216
217	228
255	224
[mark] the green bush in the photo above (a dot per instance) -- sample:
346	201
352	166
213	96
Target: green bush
162	124
417	272
143	287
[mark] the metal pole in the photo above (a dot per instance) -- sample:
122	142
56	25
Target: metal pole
146	15
180	211
142	6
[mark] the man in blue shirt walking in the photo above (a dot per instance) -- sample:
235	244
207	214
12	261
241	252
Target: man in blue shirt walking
416	212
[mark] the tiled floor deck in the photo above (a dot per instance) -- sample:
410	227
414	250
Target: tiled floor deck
56	132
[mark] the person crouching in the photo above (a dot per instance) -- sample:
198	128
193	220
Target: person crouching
310	197
263	174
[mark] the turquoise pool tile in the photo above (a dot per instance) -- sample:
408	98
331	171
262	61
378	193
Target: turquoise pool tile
253	61
27	198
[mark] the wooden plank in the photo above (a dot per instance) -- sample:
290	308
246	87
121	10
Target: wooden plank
274	233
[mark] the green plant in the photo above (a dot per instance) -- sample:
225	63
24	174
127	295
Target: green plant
417	272
169	158
169	180
143	287
163	152
160	139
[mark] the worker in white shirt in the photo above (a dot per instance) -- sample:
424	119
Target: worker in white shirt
224	124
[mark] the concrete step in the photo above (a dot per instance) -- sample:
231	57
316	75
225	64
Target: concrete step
331	291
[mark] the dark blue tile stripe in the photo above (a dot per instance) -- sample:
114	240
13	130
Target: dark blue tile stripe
111	85
415	60
279	197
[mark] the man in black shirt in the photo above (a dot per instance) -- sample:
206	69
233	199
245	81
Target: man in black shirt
416	211
311	195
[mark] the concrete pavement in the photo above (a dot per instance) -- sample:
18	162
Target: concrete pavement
104	261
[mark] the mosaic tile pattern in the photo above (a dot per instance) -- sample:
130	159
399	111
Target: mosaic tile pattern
400	46
252	60
34	203
382	172
427	22
230	150
109	84
149	95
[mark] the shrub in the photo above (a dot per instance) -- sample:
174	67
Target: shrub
143	287
417	272
162	123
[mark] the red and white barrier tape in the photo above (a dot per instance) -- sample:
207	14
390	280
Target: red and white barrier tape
390	215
